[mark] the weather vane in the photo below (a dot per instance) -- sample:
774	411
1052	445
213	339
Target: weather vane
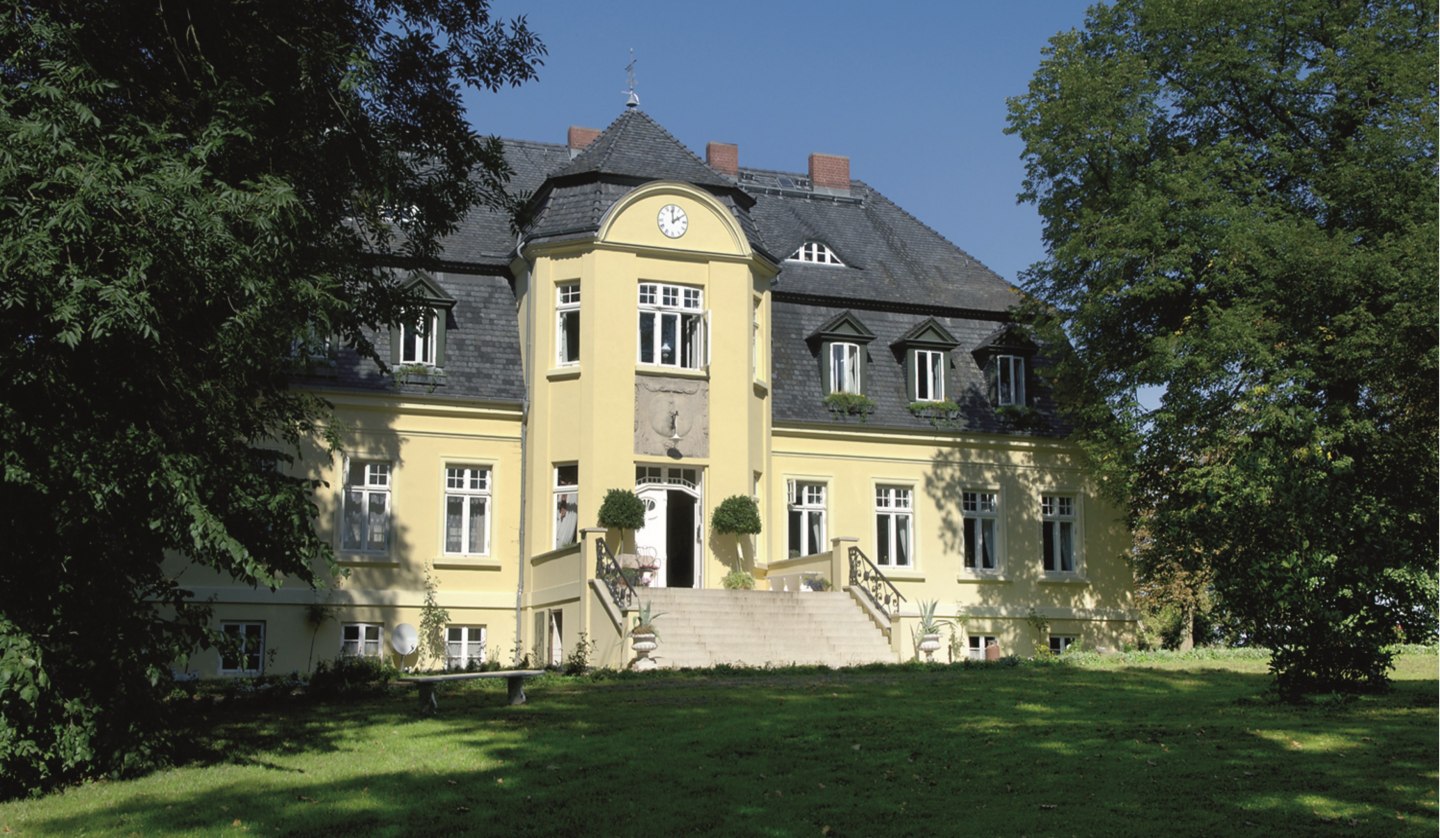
632	99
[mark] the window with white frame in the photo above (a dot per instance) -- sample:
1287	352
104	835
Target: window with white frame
360	640
1057	533
893	526
464	646
1009	379
672	326
567	324
1061	643
981	511
978	643
844	367
567	504
243	651
417	339
807	518
816	253
366	517
467	510
929	375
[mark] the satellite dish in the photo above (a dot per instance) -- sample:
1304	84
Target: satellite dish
404	639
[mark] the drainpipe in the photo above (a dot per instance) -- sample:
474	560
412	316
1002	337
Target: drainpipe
524	458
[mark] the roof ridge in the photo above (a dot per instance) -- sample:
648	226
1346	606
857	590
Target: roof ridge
676	140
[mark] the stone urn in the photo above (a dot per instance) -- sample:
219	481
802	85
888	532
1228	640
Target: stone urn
643	642
928	644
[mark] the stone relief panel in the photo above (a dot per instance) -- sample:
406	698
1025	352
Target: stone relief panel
672	417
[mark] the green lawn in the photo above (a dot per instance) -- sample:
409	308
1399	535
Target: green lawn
1164	747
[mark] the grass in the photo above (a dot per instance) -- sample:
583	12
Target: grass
1115	746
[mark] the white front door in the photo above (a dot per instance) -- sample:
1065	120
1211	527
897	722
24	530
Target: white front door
651	539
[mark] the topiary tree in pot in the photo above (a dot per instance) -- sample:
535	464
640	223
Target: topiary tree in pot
737	515
622	510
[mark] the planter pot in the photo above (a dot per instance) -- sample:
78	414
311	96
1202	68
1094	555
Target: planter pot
928	644
643	644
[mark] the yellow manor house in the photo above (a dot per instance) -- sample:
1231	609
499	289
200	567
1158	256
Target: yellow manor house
693	331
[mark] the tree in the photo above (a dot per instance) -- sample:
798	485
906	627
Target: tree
188	189
1239	210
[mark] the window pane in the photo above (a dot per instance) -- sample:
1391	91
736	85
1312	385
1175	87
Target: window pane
354	536
668	338
570	337
882	539
454	523
817	532
476	543
647	337
987	540
1047	535
797	533
902	540
377	521
972	533
1067	549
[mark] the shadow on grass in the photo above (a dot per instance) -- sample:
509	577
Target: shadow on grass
1046	750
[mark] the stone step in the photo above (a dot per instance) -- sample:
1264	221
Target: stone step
759	628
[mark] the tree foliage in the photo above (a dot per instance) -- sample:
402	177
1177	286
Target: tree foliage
186	190
1239	208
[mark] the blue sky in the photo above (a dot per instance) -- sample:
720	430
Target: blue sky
914	93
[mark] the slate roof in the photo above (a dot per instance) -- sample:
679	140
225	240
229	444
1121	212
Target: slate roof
898	273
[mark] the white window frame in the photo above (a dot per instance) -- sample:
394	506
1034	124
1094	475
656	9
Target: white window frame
464	644
806	516
1059	525
246	653
844	367
375	483
417	339
894	504
980	509
468	484
361	640
815	253
976	643
568	493
567	307
680	310
1009	380
929	375
1061	643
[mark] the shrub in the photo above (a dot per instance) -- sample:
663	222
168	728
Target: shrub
853	404
622	509
738	580
351	676
736	515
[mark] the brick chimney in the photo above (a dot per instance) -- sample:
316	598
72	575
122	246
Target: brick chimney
723	158
581	137
830	171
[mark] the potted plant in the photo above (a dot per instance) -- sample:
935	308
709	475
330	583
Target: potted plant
738	515
929	628
642	637
622	510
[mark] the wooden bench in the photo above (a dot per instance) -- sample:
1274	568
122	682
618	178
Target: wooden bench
514	682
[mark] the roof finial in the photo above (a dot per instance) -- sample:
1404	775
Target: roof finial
632	99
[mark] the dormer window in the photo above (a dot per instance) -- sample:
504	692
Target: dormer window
840	346
925	351
816	253
1009	380
1004	358
418	340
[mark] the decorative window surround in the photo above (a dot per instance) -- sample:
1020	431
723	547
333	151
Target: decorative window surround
806	502
894	527
467	511
673	327
360	640
365	517
981	523
248	656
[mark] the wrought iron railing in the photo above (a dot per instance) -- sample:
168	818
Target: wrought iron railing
608	571
868	578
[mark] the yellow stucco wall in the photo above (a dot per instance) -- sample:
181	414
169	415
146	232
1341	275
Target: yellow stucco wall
851	462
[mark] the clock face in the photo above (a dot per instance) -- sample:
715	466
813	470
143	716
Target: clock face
673	221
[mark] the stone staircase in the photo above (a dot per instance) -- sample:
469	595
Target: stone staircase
704	627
